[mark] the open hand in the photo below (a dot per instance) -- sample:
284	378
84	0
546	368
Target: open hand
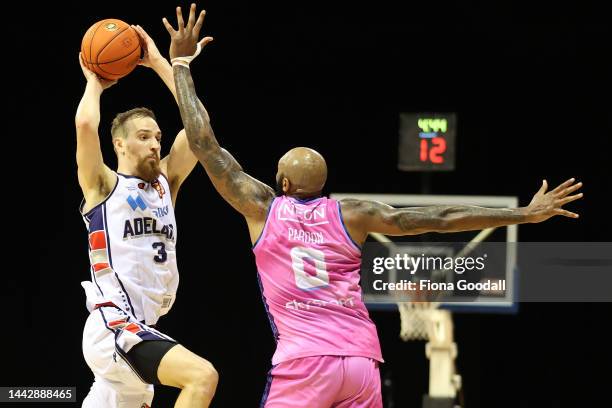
184	40
548	204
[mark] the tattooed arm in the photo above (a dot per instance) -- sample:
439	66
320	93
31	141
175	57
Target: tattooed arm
247	195
362	217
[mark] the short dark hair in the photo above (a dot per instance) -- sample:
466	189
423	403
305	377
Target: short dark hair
117	129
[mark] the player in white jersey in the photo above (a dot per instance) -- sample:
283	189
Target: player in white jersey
132	235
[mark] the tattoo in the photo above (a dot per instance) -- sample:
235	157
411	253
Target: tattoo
380	217
248	195
194	116
454	218
412	219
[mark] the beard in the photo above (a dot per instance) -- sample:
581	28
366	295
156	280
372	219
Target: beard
149	169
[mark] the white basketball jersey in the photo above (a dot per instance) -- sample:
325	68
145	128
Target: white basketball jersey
132	247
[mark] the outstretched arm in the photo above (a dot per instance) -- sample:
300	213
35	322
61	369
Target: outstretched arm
247	195
180	161
95	178
363	217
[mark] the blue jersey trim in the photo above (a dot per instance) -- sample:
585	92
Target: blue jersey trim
266	393
128	176
270	317
265	224
344	227
305	200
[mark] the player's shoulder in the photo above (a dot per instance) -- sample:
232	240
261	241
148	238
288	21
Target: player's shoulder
349	202
353	213
164	178
354	205
99	181
100	191
351	209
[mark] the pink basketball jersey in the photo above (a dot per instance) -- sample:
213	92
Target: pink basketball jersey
308	268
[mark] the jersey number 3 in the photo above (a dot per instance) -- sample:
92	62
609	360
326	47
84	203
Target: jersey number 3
162	255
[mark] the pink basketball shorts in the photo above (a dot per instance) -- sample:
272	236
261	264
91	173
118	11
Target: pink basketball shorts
324	382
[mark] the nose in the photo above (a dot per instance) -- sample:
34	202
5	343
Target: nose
156	145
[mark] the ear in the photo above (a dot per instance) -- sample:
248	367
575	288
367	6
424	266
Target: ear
118	144
286	185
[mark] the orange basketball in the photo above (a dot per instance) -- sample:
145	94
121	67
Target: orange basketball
111	48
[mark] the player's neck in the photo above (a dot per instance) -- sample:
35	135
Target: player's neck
305	197
127	170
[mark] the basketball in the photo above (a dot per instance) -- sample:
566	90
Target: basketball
111	48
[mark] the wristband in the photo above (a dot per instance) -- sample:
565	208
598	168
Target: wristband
184	61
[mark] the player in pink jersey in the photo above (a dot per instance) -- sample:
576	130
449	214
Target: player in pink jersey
307	250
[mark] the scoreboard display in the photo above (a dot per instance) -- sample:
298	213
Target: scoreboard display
427	141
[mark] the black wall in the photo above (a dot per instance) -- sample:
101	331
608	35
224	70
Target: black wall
527	82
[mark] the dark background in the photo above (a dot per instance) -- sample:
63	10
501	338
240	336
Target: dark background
528	83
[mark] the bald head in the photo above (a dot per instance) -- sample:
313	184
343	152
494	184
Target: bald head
302	172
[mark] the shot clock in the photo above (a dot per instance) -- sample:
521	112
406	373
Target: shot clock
427	141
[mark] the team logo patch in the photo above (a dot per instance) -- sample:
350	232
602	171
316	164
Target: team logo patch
137	202
145	405
111	27
141	186
160	189
302	214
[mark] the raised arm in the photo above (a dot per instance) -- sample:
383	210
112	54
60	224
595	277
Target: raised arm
247	195
362	217
180	161
95	178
